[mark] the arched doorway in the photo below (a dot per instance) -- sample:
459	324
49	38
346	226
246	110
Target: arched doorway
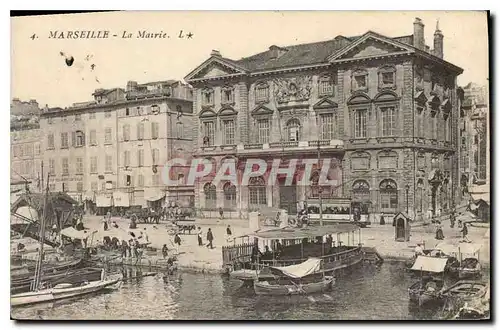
210	195
257	193
388	196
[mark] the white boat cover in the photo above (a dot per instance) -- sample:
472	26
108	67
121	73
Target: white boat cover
308	267
429	264
75	234
464	248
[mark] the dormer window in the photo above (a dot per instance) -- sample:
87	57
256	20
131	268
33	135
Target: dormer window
359	81
262	93
207	97
227	95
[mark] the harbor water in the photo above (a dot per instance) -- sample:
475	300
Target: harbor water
365	292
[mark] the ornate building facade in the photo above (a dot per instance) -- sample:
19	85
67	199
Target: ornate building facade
382	110
110	151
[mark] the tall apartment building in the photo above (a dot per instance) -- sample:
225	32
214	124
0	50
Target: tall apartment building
382	109
25	133
474	141
98	151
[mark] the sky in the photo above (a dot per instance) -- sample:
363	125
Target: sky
39	71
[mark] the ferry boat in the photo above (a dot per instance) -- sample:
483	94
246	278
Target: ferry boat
292	246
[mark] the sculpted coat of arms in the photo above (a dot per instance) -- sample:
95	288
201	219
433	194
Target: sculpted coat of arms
293	89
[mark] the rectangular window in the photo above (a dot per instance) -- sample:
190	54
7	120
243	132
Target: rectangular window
140	180
128	181
37	149
79	165
64	140
109	163
325	87
28	150
387	79
261	93
140	131
103	186
227	96
209	133
93	137
446	130
360	123
65	166
155	127
107	114
108	135
52	167
126	158
327	126
92	115
360	81
127	112
78	117
140	157
208	97
263	130
156	179
126	132
156	156
388	121
228	132
93	164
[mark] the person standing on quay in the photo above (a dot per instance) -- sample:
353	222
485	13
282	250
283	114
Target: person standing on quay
221	212
210	238
200	235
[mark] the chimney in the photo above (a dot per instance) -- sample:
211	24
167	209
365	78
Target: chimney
215	53
276	51
418	34
438	42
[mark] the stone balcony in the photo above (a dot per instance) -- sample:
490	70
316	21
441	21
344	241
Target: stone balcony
274	147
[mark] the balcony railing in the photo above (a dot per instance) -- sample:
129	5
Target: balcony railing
154	92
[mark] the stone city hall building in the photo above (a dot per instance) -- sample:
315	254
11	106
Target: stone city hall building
382	109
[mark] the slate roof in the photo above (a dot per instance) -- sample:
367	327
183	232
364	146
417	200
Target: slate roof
302	54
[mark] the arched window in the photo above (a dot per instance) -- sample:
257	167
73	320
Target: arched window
360	191
420	195
229	195
210	195
388	196
257	192
293	130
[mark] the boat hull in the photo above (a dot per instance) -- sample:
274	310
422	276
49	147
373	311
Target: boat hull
75	276
57	294
266	289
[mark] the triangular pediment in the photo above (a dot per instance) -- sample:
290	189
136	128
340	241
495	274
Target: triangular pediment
215	67
325	104
261	110
369	45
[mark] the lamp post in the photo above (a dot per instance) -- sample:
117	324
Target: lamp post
407	190
320	192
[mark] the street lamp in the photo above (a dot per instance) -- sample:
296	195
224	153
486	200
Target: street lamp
320	190
407	190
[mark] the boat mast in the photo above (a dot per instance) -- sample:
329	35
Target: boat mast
38	270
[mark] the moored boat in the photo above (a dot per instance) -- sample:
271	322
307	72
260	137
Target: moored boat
62	291
72	276
301	279
468	267
428	288
465	291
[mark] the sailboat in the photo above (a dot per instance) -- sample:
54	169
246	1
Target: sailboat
62	290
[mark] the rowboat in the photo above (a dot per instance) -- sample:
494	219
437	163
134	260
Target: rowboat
465	291
28	271
72	276
468	267
62	291
427	289
301	279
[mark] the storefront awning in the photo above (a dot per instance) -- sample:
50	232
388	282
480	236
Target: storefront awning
103	201
121	199
153	195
